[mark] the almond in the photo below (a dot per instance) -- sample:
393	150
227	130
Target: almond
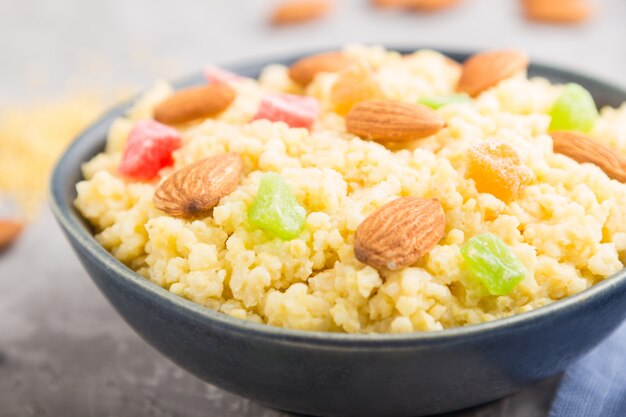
424	5
194	190
389	3
194	103
9	231
558	11
431	5
399	233
296	11
304	70
392	121
486	69
581	148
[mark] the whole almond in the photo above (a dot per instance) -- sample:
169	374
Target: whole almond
558	11
9	231
304	70
486	69
194	103
390	3
399	233
297	11
581	148
194	190
392	121
424	5
432	5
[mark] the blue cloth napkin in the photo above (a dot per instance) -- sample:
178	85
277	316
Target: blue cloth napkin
595	386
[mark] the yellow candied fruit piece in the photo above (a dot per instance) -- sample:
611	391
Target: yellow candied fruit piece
354	85
496	169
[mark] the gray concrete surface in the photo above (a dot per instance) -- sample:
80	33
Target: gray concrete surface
63	350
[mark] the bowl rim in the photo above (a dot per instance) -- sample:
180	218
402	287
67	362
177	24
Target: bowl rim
69	220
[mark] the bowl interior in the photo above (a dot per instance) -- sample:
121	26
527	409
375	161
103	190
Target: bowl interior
68	172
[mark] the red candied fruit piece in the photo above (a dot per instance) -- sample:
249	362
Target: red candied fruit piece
216	75
296	111
148	149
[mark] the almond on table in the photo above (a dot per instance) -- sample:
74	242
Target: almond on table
194	190
432	5
298	11
389	3
194	103
400	232
558	11
422	5
9	232
392	121
486	69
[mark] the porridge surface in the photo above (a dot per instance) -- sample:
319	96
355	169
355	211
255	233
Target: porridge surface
567	226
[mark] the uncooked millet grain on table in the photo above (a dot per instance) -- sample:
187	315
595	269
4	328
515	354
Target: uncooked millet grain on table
32	137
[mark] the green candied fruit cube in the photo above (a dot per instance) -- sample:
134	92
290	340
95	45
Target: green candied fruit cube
574	110
436	102
275	208
491	261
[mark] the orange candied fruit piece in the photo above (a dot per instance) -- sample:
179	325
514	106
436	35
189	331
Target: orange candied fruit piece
354	85
496	169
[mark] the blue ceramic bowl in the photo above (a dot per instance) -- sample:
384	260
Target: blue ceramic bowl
340	374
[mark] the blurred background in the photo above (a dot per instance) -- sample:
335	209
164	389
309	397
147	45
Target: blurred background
63	350
49	46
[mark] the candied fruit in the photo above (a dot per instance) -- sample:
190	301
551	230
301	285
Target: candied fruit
436	102
496	169
275	208
354	85
490	260
217	75
574	110
296	111
148	149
